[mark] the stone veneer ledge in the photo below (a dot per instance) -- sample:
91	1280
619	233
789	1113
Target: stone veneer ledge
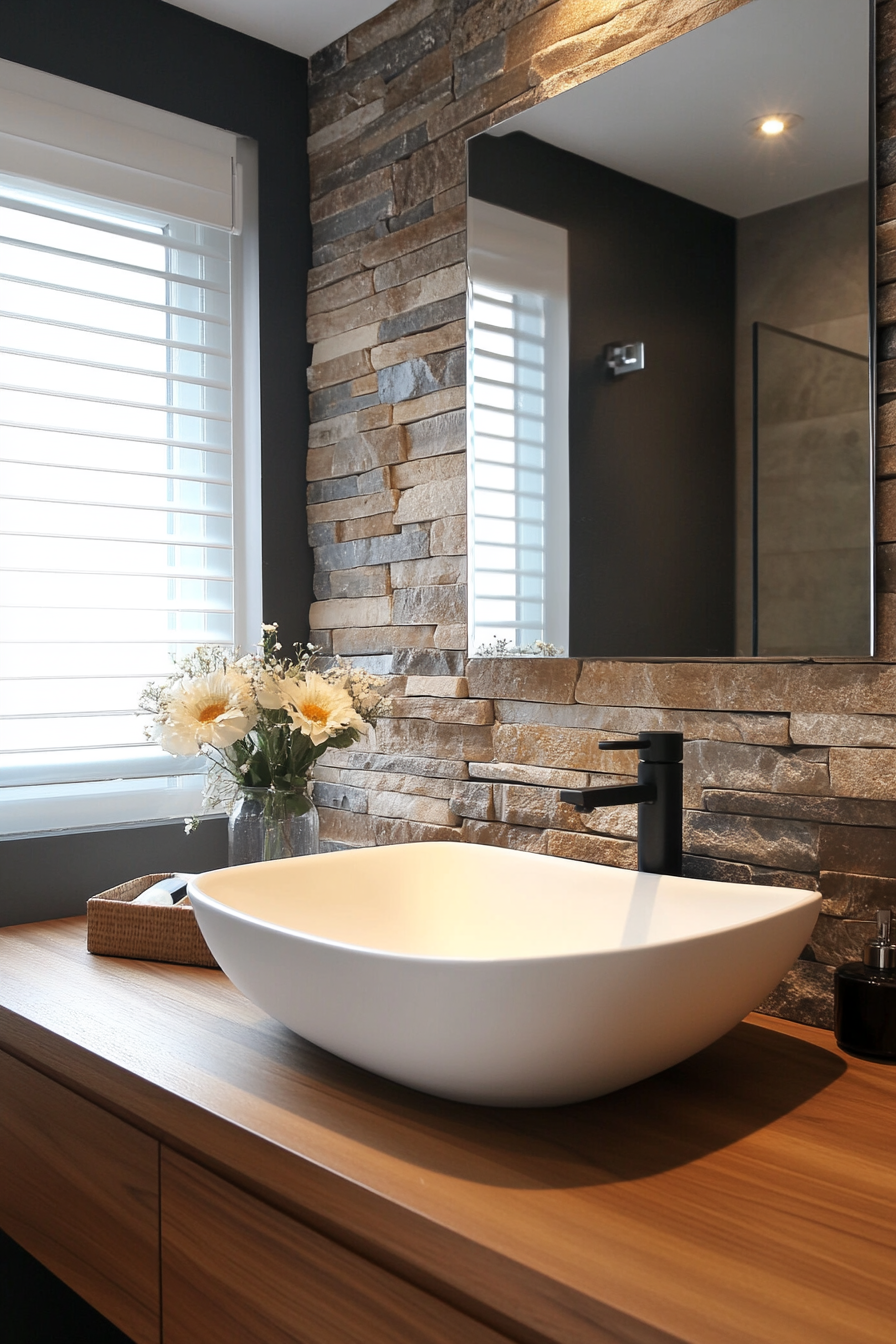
790	767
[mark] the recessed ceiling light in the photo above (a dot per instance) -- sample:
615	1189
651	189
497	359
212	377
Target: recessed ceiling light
773	124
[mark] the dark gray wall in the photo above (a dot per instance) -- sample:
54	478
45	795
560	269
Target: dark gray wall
651	453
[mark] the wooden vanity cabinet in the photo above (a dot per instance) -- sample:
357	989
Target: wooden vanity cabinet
235	1271
79	1190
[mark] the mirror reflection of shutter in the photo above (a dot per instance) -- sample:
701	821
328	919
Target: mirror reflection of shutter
507	525
518	441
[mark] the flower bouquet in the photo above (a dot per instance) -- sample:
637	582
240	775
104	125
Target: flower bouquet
262	721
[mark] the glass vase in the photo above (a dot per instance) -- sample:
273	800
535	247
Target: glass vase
266	824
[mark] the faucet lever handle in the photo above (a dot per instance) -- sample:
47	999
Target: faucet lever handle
659	747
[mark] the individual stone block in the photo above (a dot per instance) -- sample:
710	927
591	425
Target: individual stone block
479	65
820	688
358	506
414	663
449	687
396	831
708	869
382	638
353	220
844	730
449	337
448	536
436	500
769	729
430	605
433	169
551	680
352	365
542	776
331	109
350	828
409	807
403	412
780	877
349	290
417	737
425	767
344	128
345	487
423	317
370	581
441	434
344	612
410	544
354	529
592	849
854	896
495	833
388	59
736	765
439	710
339	427
438	569
473	801
358	453
868	850
450	637
413	238
806	994
422	261
863	774
562	748
425	74
339	796
346	343
775	843
417	377
835	811
428	470
389	24
835	941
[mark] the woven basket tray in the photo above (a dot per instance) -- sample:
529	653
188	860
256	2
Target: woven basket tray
116	928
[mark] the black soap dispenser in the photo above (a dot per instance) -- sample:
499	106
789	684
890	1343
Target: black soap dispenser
865	997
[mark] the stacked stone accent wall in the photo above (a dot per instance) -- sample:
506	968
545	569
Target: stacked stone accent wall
790	767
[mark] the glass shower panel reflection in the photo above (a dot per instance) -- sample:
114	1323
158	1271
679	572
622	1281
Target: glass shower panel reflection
812	497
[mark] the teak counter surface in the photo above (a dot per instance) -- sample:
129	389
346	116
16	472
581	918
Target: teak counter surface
744	1196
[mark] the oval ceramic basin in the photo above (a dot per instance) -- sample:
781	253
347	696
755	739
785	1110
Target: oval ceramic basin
498	977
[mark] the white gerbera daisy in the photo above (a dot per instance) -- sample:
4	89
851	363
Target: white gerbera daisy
317	708
215	710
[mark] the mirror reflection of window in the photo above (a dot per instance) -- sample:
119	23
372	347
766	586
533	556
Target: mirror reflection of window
518	405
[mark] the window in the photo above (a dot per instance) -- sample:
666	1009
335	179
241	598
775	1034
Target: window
128	453
518	400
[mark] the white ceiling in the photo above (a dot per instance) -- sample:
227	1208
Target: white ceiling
677	117
302	26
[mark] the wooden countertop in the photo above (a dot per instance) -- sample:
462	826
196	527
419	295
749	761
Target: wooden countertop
744	1196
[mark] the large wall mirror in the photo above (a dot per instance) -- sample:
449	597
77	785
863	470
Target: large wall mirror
671	353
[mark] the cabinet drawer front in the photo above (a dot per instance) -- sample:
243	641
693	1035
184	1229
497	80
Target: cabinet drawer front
79	1189
235	1271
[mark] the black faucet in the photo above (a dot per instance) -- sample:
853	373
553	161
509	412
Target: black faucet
658	794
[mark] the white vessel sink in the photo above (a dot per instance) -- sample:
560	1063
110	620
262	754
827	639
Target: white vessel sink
497	977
